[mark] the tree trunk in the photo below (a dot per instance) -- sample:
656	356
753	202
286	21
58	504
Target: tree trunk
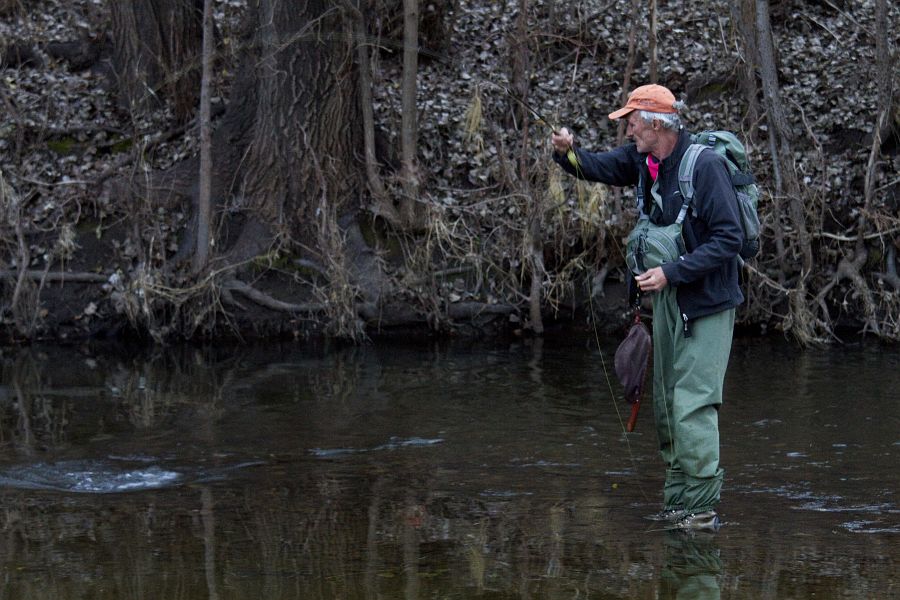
156	52
285	157
519	77
654	58
886	72
409	119
802	321
381	204
204	206
298	92
629	68
780	133
10	7
520	67
742	19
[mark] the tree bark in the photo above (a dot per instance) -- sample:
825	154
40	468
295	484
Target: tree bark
288	143
520	59
409	119
10	7
297	103
742	20
381	204
629	68
204	206
654	58
780	133
743	16
802	321
156	53
852	268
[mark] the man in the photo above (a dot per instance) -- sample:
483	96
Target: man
694	297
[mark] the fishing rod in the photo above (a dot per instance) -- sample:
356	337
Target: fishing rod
570	153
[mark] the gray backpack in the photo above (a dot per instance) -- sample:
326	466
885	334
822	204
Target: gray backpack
729	147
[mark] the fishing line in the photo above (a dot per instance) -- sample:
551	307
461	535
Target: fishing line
612	395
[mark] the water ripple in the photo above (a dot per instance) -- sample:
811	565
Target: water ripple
870	527
393	444
87	477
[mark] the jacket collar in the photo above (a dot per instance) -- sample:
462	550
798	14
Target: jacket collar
673	160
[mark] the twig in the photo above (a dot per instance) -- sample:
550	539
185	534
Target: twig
822	25
35	275
849	17
844	238
57	183
888	184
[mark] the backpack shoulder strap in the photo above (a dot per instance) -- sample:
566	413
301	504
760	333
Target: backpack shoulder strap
686	177
686	170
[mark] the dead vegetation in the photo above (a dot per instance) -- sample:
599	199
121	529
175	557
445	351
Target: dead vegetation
506	239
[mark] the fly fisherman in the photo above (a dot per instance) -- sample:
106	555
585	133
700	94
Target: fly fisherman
694	296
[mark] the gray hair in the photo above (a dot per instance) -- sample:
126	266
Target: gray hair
669	120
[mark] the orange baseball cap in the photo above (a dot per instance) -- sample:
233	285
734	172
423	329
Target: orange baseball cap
653	98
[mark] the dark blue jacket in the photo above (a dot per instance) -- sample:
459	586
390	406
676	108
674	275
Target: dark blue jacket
707	275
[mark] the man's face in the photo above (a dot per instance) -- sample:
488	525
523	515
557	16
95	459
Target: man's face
644	135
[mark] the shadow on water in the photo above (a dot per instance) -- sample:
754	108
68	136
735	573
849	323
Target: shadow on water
451	471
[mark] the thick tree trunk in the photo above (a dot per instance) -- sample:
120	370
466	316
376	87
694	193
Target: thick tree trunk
156	53
306	130
286	160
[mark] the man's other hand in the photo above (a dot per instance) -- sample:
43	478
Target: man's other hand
652	280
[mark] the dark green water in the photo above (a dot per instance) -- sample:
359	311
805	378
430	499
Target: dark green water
433	471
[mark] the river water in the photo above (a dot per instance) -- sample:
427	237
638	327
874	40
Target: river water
446	470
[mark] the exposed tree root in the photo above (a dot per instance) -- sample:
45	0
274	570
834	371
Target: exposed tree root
264	300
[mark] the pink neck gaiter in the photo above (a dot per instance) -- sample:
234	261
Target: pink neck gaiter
653	165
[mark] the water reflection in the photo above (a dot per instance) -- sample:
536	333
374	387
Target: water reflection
692	566
430	471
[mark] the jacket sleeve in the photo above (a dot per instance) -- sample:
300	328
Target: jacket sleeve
716	205
616	167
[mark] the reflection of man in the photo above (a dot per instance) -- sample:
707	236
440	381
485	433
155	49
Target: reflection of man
694	297
692	569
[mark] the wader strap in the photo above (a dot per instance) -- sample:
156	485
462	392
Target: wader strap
639	192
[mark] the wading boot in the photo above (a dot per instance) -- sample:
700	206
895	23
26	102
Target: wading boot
669	515
704	521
